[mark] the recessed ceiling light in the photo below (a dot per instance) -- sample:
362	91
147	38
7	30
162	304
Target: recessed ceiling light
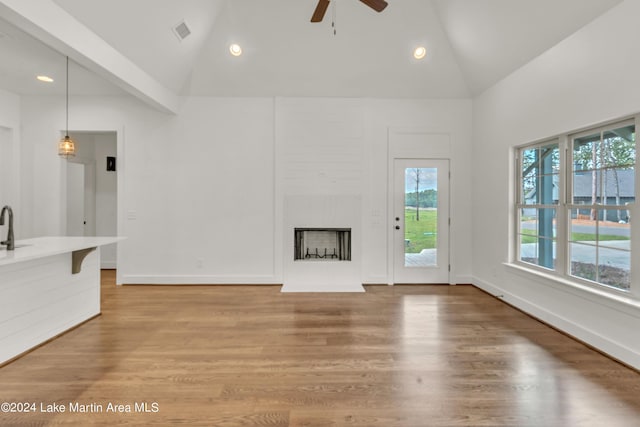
235	49
45	79
419	52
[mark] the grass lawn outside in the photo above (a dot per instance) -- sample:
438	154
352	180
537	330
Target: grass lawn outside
420	234
529	236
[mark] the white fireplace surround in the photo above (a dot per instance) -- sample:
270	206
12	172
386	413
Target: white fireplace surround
322	212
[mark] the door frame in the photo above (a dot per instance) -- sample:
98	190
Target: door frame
121	215
415	142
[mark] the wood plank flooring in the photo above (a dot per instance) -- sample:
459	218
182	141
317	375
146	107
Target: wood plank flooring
252	356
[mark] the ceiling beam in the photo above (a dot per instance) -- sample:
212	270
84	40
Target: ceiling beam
53	26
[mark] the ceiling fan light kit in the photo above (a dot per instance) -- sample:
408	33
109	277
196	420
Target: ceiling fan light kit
321	8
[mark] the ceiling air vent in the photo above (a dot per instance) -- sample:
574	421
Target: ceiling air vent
181	31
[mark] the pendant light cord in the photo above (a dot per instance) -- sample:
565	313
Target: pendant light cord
66	147
67	122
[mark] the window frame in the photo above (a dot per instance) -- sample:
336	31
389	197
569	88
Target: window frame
562	268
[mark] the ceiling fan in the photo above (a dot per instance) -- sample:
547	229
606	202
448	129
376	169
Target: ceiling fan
321	8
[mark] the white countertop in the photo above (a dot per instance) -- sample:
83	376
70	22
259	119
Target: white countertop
41	247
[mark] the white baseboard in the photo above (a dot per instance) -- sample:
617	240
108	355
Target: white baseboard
375	280
134	279
463	280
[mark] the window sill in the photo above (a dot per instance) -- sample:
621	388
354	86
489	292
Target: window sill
614	299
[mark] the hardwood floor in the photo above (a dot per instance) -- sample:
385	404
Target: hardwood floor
252	356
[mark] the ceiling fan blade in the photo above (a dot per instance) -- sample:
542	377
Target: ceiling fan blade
321	9
377	5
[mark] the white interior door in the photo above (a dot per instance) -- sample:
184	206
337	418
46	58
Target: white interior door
421	221
75	199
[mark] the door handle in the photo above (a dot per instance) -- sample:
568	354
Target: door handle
397	227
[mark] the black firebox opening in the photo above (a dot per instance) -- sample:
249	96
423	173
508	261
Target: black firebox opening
322	244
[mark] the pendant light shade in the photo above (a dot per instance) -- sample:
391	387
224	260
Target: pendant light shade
66	146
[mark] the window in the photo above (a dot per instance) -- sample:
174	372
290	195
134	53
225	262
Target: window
572	205
540	166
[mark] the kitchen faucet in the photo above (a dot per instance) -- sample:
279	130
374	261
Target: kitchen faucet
10	242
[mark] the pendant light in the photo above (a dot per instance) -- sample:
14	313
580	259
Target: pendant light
66	146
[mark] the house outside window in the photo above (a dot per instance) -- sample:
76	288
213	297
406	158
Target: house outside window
572	206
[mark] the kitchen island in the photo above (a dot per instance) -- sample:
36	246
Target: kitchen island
48	285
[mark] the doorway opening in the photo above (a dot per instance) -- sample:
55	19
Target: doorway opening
92	190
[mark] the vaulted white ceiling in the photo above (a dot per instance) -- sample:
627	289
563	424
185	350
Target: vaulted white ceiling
142	31
471	44
493	38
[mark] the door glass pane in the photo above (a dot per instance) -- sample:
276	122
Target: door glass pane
421	217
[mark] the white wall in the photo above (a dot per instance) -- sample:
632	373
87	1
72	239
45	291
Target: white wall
43	171
10	157
196	194
340	147
589	78
200	199
448	117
